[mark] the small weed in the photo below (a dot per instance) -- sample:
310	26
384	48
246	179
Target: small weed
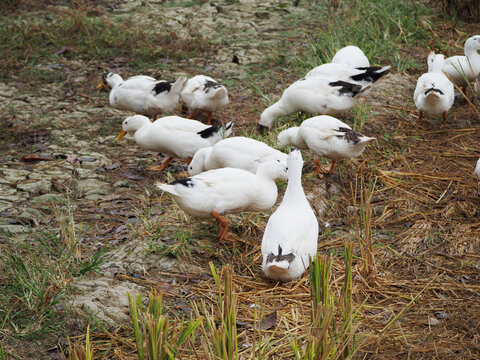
220	340
180	248
156	335
328	338
361	112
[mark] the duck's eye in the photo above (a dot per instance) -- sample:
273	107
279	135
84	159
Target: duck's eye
286	168
278	160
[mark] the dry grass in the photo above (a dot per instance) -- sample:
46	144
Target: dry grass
409	207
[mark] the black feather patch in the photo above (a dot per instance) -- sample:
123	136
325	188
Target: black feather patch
162	86
188	182
370	74
289	257
347	88
104	77
350	135
210	85
208	132
435	90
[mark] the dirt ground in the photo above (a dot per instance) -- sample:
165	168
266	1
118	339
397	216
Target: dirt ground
425	199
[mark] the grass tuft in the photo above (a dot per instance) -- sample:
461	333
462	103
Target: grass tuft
156	335
36	274
329	336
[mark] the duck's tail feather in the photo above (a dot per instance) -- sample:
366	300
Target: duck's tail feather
218	93
347	88
178	85
277	269
167	188
227	130
371	73
214	130
433	91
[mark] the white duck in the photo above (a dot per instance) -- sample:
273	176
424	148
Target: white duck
291	235
202	93
362	75
434	94
143	94
351	56
173	135
313	95
326	136
237	152
228	190
458	67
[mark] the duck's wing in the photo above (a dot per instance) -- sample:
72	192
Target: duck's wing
139	82
178	123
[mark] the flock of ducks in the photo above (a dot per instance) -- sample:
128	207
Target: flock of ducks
435	93
236	174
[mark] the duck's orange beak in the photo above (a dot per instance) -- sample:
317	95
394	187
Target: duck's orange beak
121	135
101	86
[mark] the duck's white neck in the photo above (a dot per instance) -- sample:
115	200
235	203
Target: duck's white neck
437	64
272	112
114	80
142	123
292	137
204	156
471	52
294	187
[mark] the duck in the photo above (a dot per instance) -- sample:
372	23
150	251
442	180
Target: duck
237	152
328	137
477	169
351	56
434	94
173	135
361	75
291	235
460	67
202	93
142	94
227	190
313	95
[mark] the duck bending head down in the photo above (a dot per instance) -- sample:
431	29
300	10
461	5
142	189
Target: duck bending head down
227	190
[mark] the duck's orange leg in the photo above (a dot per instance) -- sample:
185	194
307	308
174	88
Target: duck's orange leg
162	166
191	115
444	119
222	225
420	116
209	121
320	171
